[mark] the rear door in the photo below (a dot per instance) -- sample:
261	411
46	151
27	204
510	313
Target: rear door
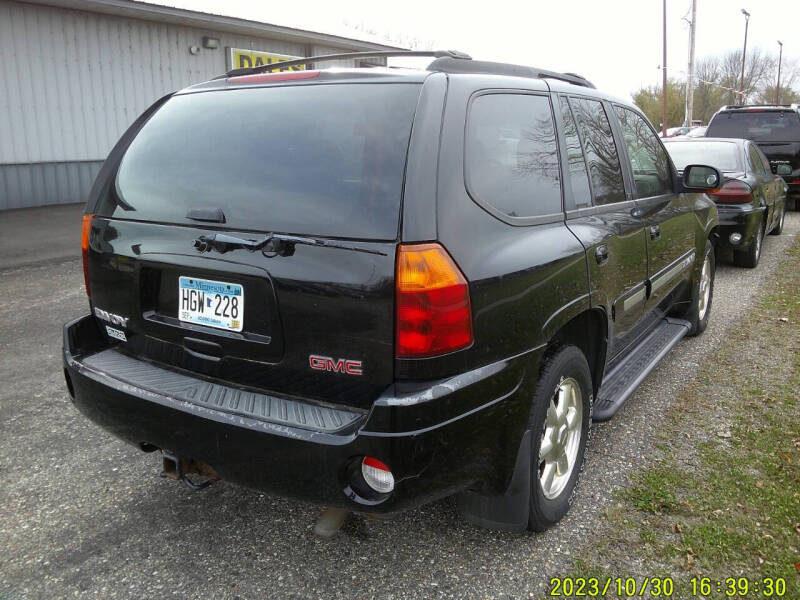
313	318
604	219
669	219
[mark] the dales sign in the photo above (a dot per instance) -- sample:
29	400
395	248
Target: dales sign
239	58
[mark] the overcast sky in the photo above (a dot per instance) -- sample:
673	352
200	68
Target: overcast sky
615	43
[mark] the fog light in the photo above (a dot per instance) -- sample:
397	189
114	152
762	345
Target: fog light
377	475
735	238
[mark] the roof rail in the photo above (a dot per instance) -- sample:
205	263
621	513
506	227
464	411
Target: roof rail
740	106
447	61
448	65
454	54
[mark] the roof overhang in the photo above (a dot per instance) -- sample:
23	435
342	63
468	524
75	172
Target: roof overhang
179	16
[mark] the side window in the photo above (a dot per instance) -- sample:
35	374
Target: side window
649	162
511	157
576	165
756	164
600	150
764	161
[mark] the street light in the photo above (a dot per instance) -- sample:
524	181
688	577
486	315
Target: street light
744	50
778	85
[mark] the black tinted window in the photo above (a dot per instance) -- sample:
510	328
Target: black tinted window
310	159
511	157
600	151
649	162
760	126
756	164
576	165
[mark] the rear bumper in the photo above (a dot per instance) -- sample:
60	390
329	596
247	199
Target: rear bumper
744	219
437	438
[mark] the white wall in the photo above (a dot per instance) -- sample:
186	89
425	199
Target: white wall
71	82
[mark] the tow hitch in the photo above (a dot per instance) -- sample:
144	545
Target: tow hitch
177	467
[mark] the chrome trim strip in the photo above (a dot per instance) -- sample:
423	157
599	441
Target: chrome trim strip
634	299
671	271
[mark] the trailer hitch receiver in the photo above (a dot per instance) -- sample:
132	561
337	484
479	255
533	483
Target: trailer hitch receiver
177	467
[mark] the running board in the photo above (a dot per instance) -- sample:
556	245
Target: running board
624	378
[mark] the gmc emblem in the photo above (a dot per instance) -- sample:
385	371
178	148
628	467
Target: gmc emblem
342	365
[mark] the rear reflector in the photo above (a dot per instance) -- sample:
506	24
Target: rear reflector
270	77
433	308
733	192
377	475
86	229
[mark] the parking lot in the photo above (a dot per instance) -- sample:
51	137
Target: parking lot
86	515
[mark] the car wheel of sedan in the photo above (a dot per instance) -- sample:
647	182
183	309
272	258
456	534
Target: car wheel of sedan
749	258
779	227
700	308
560	421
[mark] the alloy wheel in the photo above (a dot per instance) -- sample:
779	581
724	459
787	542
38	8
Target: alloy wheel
705	288
561	438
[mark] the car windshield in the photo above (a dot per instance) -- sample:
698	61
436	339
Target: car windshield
722	155
323	160
759	126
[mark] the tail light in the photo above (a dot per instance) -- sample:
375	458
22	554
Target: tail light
733	192
377	475
270	77
85	231
433	309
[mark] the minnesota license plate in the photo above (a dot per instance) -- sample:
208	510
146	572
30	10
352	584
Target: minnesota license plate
211	303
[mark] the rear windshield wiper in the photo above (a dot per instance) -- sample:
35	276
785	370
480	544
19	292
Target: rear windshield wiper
271	244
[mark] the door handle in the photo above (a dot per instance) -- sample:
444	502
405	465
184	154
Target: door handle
601	254
655	232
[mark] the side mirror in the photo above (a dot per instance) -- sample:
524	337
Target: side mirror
701	178
783	170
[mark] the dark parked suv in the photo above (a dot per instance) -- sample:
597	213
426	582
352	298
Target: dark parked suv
776	130
374	288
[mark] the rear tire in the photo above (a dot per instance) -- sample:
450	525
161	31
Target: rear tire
779	227
703	293
749	258
560	420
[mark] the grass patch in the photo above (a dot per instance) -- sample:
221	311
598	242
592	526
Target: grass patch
721	497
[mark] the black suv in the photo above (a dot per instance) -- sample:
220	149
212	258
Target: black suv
776	130
373	288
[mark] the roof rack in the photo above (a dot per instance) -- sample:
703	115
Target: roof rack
447	61
794	106
448	65
455	54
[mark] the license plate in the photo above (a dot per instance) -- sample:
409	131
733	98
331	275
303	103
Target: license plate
211	303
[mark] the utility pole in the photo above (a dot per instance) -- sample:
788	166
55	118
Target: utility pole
690	79
664	77
778	85
744	52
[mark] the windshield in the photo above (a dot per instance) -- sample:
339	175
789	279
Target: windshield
722	155
759	126
322	160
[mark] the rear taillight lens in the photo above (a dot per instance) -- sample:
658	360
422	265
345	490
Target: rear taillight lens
433	309
733	192
85	231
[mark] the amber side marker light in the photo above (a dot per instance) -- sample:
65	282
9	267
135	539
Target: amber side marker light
86	230
432	299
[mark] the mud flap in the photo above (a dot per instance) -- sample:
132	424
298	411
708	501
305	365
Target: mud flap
507	512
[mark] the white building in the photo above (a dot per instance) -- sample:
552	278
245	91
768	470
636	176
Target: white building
75	73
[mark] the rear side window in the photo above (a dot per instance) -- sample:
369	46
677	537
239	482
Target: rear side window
576	165
511	157
649	161
600	151
759	126
309	159
756	164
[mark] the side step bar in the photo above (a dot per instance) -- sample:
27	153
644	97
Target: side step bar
624	378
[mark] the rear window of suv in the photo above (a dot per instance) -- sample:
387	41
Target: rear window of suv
759	126
324	160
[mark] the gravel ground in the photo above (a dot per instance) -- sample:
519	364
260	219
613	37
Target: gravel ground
86	515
